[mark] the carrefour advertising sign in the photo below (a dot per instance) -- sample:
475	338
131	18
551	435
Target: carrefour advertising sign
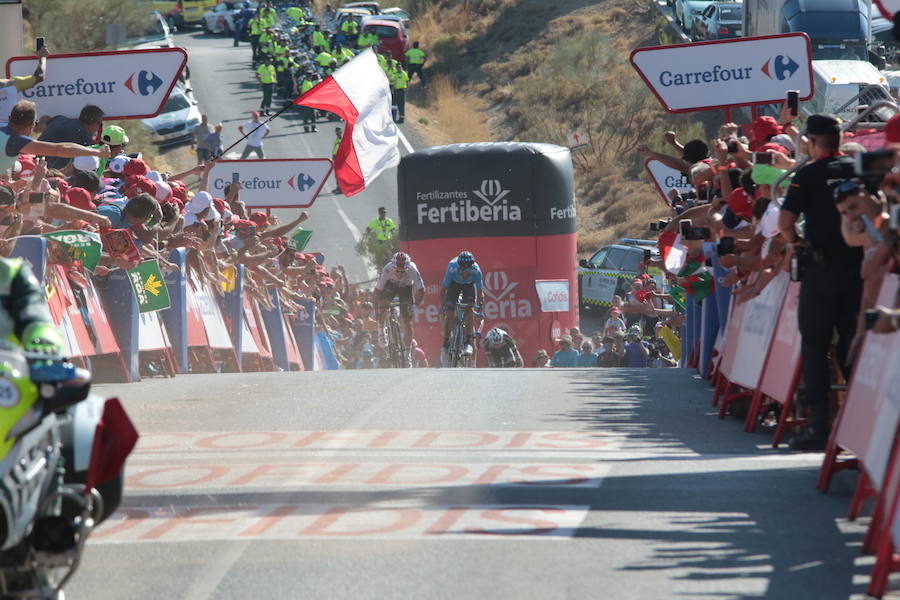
128	84
727	73
665	178
272	183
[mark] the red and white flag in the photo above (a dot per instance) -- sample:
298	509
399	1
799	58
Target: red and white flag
359	93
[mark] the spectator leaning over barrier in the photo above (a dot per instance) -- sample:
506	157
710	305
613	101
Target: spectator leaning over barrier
82	130
831	288
15	140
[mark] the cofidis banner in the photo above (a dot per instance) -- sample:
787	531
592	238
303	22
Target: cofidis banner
128	84
727	73
272	183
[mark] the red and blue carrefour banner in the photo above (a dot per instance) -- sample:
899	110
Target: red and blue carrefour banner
127	84
510	204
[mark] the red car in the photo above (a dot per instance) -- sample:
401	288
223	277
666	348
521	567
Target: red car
392	37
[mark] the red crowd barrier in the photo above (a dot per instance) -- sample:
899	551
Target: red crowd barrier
758	356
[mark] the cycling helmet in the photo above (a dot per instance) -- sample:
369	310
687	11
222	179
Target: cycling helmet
465	259
494	337
401	260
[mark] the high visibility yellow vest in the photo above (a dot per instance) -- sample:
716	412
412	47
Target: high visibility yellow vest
323	58
266	73
415	56
254	26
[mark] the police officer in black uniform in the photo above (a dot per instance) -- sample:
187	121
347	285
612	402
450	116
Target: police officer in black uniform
831	287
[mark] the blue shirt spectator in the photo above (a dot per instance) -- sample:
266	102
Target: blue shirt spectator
565	356
587	358
636	353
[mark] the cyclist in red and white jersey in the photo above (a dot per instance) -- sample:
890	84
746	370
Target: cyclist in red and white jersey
399	279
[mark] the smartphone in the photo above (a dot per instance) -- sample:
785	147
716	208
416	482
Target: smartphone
35	206
696	233
654	226
793	102
870	229
686	225
870	317
38	44
895	218
726	246
762	158
235	177
732	146
647	255
874	163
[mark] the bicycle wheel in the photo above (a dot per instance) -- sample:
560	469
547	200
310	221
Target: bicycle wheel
456	357
396	348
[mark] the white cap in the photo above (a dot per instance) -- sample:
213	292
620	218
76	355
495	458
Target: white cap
190	219
154	176
117	164
200	202
86	163
163	190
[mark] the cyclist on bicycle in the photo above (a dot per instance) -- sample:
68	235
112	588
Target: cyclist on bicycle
501	349
399	278
463	278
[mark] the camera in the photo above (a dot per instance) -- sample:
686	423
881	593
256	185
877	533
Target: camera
696	233
762	158
872	166
726	246
799	259
732	145
894	222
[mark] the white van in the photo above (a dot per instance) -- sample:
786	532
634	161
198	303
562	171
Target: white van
837	82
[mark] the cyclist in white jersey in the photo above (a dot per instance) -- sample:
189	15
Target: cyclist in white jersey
399	279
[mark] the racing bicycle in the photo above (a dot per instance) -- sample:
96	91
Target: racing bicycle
456	352
397	351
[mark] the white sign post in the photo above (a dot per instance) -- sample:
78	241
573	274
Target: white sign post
666	179
577	139
727	73
553	294
272	182
129	84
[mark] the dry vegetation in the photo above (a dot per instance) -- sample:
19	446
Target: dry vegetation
534	70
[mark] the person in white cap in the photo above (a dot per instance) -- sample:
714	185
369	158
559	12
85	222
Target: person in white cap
86	163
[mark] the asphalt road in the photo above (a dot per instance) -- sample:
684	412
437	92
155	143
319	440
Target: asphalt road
224	85
493	484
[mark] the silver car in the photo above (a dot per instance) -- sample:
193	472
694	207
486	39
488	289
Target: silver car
719	21
687	10
175	124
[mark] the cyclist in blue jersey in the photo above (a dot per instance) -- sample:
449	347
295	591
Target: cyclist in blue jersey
463	278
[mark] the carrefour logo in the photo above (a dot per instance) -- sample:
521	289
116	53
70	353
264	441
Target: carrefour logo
143	83
301	182
780	66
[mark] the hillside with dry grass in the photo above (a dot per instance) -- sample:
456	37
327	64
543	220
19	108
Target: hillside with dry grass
533	70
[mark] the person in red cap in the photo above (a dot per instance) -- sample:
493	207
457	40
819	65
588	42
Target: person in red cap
741	204
764	129
80	198
614	323
264	225
135	166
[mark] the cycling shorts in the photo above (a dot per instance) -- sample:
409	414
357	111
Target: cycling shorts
403	294
455	290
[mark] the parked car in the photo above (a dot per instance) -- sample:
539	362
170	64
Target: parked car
221	19
176	122
688	10
181	13
150	33
392	37
372	7
609	272
718	21
357	14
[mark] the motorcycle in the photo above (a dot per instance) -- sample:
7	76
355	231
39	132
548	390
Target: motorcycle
62	455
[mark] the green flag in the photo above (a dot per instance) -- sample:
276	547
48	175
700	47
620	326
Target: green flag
149	288
678	299
299	239
80	245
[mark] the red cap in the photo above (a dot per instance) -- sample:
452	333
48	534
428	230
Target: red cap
740	203
260	218
328	282
219	205
279	243
179	190
775	147
26	161
892	129
138	184
615	310
80	198
135	166
62	186
244	228
763	127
